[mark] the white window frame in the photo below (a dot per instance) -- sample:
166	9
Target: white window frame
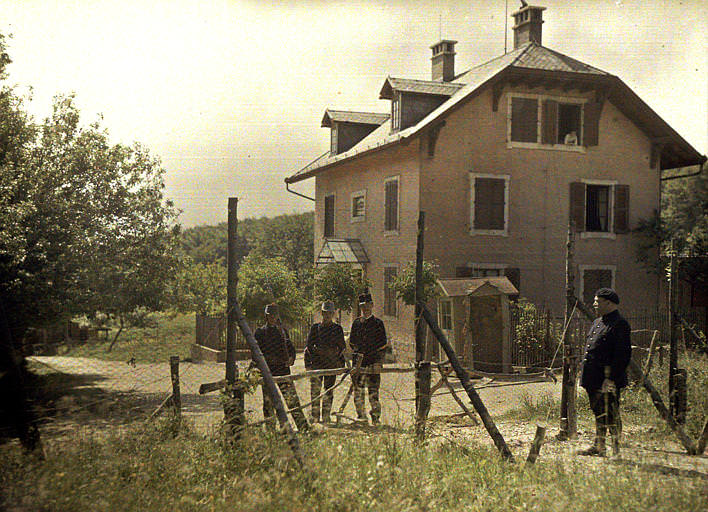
358	193
583	268
578	148
495	232
610	233
447	300
334	139
334	215
383	290
398	205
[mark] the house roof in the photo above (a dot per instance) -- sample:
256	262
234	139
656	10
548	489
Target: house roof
417	86
460	287
528	62
346	250
348	116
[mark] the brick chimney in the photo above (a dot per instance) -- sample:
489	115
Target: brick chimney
527	24
443	68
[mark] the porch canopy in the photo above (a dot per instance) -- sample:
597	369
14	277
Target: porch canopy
345	250
477	286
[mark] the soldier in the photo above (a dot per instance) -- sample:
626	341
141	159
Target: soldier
607	356
368	338
279	353
325	345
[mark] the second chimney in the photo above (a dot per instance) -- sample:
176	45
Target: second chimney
443	68
527	25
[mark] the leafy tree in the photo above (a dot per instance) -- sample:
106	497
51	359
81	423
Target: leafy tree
683	219
340	283
404	283
201	288
262	281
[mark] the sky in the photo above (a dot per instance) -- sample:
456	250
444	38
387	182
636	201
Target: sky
230	94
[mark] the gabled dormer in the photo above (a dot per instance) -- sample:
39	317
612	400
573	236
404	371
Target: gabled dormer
412	100
348	128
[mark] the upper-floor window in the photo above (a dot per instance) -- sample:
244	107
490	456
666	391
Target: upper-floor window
391	204
389	275
538	121
333	139
396	112
358	211
599	208
489	203
329	216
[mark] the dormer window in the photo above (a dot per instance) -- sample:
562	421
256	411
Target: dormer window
333	139
396	112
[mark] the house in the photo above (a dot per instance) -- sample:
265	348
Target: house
500	158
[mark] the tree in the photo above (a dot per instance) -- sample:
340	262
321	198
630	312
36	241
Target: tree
339	283
262	281
201	288
683	219
404	283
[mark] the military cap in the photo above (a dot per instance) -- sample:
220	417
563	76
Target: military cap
608	294
328	305
271	309
365	298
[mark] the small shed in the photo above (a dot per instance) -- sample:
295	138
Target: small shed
474	314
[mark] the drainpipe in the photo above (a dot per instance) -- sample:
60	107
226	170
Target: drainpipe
287	187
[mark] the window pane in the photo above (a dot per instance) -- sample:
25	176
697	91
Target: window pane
524	120
597	208
593	280
489	203
358	206
568	123
446	315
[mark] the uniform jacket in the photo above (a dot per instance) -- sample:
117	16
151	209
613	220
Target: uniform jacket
608	344
368	337
325	344
277	351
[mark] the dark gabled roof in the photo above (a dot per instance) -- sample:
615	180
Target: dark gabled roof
529	61
348	116
433	87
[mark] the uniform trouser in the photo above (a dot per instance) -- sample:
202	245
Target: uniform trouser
316	384
291	400
372	381
606	408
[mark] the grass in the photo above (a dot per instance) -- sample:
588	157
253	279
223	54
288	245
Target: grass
173	336
636	406
160	467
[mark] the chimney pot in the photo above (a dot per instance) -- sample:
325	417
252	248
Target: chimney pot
443	60
527	24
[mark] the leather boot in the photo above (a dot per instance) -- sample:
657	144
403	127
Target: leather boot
597	448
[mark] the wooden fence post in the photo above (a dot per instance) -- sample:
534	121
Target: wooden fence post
422	373
174	374
568	420
467	385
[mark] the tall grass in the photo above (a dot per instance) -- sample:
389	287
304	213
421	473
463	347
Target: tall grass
159	467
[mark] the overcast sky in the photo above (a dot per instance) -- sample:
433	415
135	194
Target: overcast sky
230	94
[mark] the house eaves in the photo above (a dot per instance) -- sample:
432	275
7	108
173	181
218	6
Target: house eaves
348	116
432	87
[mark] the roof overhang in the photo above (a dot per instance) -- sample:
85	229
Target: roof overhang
477	286
344	250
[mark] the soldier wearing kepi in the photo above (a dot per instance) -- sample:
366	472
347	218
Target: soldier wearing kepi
325	345
607	355
279	353
368	338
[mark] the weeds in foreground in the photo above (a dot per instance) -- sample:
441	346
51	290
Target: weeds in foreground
160	468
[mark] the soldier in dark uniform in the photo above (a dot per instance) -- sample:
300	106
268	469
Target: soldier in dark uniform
368	338
607	355
325	345
279	353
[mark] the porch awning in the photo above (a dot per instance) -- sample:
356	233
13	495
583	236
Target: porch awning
462	287
348	250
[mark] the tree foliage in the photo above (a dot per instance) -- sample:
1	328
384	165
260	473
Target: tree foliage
200	288
341	284
404	283
262	281
683	219
84	225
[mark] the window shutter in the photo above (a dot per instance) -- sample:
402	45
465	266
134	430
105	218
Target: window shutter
329	217
391	206
621	208
591	124
549	132
577	205
513	274
524	118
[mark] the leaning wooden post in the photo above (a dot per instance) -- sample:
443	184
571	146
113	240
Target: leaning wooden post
536	444
665	413
422	372
268	382
234	406
568	420
467	385
703	439
174	374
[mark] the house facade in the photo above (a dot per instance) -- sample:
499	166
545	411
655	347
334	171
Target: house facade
502	158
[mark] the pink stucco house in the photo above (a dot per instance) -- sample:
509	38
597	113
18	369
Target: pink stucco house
500	157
